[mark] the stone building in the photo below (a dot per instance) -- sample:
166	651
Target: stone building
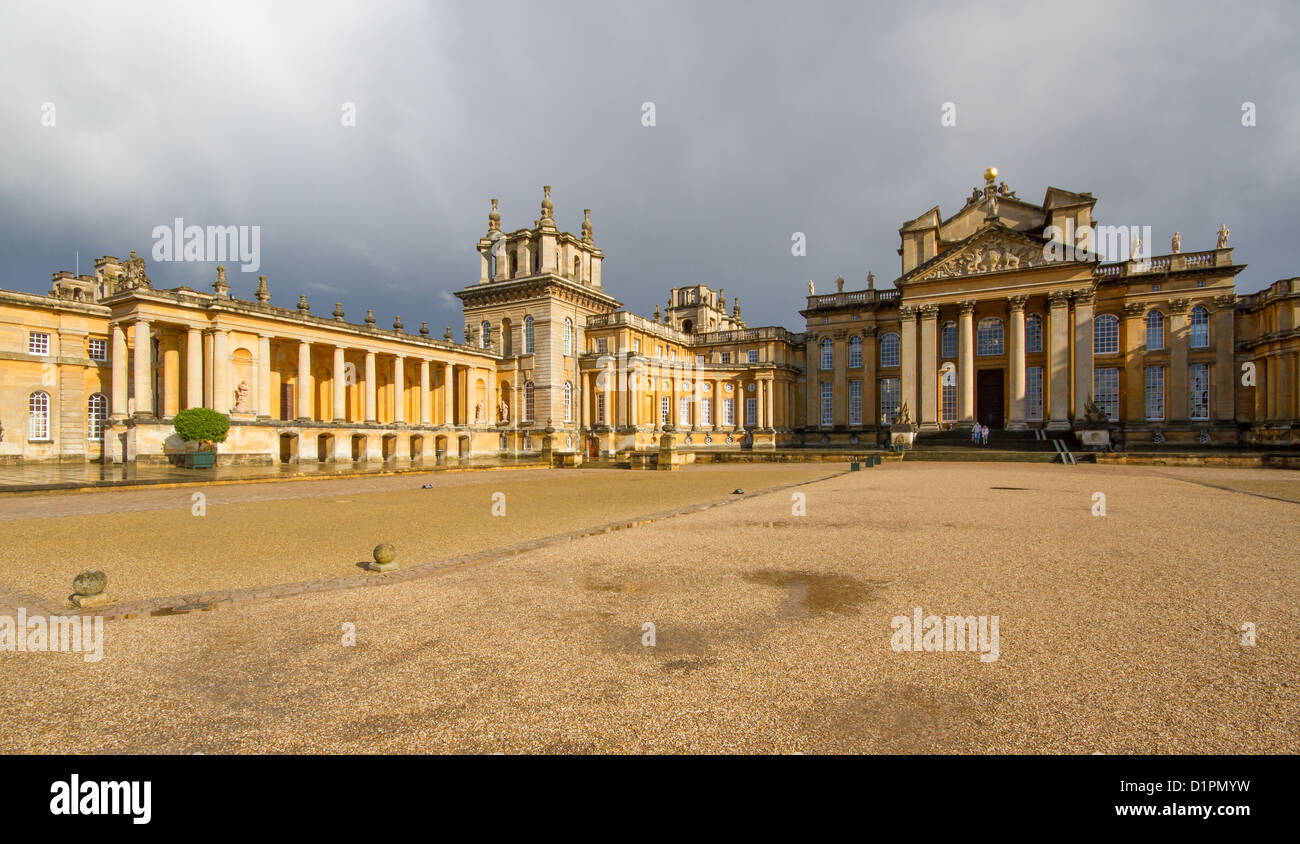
1002	313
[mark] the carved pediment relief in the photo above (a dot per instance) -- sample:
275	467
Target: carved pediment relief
997	253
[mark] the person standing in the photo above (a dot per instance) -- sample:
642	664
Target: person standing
984	434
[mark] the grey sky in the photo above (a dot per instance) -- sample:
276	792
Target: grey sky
771	119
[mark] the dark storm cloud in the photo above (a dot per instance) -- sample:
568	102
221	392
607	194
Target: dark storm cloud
771	119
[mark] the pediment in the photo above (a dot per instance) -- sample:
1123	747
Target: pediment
996	249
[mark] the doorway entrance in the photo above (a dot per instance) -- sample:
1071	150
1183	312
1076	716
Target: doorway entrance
989	398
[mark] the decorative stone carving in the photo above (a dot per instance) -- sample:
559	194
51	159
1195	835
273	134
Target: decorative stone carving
1176	243
992	255
263	293
1224	231
1134	309
424	329
478	412
494	218
586	225
338	311
220	286
839	284
448	336
1135	249
1226	300
397	323
929	311
1017	303
1179	306
1084	296
812	291
302	305
370	317
503	411
966	307
1058	298
241	397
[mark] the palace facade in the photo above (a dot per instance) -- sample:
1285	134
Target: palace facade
1001	314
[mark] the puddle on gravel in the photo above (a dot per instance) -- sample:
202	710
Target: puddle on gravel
816	593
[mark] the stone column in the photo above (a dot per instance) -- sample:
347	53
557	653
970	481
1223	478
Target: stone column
263	376
372	398
1134	410
1223	393
1083	301
1178	388
759	397
303	387
339	385
1058	360
1016	305
907	372
208	368
193	367
448	394
870	401
222	399
929	419
143	371
769	401
840	390
966	362
399	389
121	371
426	399
632	397
813	385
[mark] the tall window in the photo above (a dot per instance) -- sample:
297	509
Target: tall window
828	403
889	349
729	412
1033	333
98	348
948	340
827	355
568	336
753	356
38	343
855	402
665	410
948	402
1105	391
1200	327
1034	393
568	401
600	408
855	352
38	416
1200	397
528	335
988	337
706	411
602	345
751	412
1155	332
684	411
485	335
96	413
1155	391
889	399
1105	335
528	401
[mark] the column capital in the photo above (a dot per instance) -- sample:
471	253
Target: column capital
1179	306
966	307
907	312
930	312
869	330
1058	299
1134	309
1084	296
1226	300
1017	302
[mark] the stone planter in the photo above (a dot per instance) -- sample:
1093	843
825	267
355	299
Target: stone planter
901	437
200	459
1095	438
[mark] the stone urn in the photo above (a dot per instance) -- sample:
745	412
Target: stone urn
902	432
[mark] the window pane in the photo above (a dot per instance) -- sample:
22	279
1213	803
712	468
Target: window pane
1155	392
988	337
1034	393
1033	333
889	350
1105	391
1105	335
1155	331
855	402
948	340
1200	384
889	399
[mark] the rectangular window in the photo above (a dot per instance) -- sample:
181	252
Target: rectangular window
726	357
948	402
684	411
827	355
98	349
659	351
753	355
665	410
1105	391
729	412
602	345
855	353
600	408
890	393
706	411
636	346
699	358
1034	393
38	416
1200	384
1155	393
751	412
855	402
828	403
38	343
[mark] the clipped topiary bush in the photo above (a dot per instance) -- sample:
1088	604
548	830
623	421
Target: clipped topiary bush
201	425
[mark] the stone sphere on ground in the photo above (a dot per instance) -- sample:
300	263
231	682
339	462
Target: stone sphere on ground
384	553
90	582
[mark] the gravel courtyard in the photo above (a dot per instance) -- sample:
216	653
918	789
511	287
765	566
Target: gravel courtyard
772	632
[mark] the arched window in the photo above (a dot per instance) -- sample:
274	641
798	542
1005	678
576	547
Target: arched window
1200	327
568	402
1105	334
828	357
485	335
528	335
1033	333
568	336
1155	331
528	401
989	337
890	351
38	416
96	413
948	340
855	352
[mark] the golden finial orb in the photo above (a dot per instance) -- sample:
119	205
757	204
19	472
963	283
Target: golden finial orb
990	174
